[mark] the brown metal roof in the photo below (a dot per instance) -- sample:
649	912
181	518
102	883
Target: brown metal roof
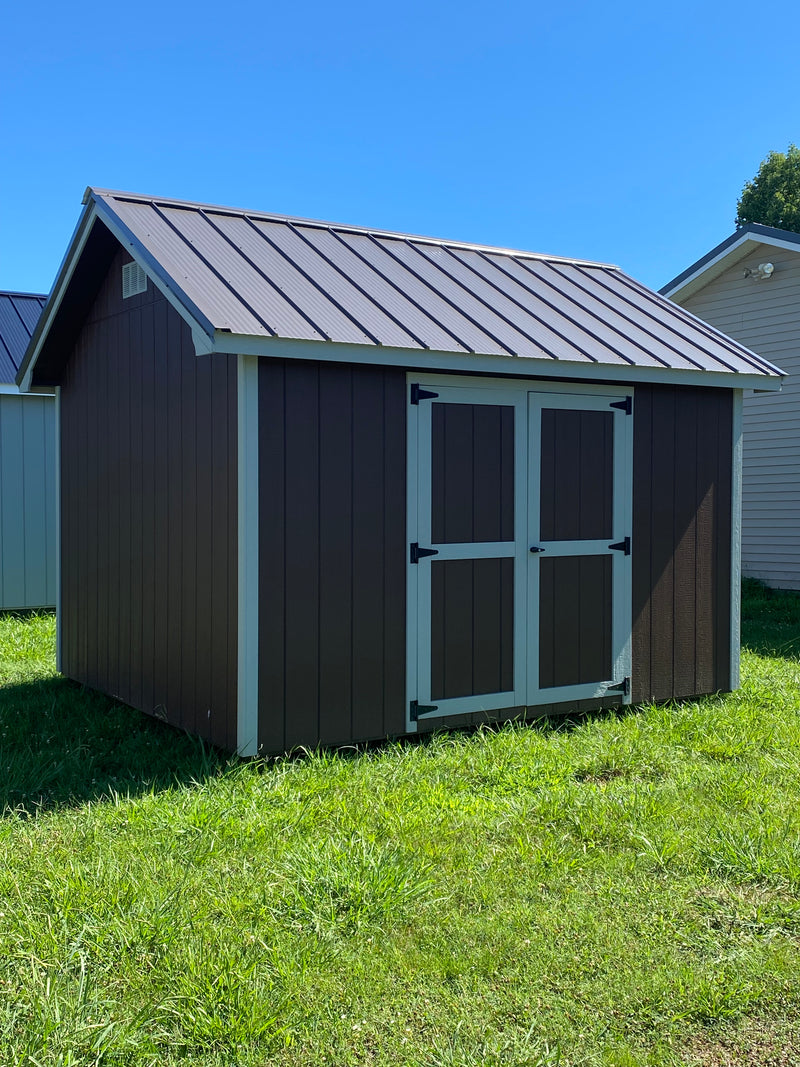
19	313
266	276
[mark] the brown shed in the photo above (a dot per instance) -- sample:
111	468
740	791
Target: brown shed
321	484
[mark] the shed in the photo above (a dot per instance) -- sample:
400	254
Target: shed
322	483
733	288
27	468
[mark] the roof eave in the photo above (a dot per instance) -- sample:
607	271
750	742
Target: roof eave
497	365
726	254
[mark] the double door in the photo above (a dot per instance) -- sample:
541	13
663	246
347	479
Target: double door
519	563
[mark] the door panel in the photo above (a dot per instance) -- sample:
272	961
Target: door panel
575	620
472	627
577	483
472	461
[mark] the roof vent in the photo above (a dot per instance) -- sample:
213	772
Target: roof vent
134	280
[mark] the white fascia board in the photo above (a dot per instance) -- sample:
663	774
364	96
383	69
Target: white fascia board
746	244
736	542
247	556
514	366
9	389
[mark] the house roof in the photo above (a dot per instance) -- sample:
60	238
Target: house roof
251	282
741	243
19	313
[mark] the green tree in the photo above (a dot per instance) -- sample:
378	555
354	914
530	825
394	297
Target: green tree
773	196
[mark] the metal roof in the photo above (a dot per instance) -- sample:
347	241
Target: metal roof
251	279
19	313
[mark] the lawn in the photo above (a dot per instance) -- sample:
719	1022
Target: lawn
617	890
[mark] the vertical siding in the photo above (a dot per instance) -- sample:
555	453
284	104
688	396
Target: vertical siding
765	316
27	502
681	541
332	553
148	509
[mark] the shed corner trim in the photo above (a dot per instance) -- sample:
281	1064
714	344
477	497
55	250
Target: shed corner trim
247	556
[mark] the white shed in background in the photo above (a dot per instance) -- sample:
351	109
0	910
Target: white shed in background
749	287
27	468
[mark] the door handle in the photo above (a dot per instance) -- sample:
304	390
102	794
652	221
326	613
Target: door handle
536	548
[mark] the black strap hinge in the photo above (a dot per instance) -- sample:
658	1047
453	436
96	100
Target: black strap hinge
416	553
625	405
623	687
418	393
415	710
622	546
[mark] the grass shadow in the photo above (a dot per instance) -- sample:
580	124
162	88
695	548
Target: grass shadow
62	745
770	620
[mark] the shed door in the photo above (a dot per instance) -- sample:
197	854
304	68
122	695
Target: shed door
494	473
579	570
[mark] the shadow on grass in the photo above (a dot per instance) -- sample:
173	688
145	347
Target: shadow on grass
770	620
62	745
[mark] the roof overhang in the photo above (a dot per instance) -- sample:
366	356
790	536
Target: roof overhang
727	254
497	366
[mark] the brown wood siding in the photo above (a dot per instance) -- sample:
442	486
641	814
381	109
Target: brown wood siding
681	541
148	511
332	553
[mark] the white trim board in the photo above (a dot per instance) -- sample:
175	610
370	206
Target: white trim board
247	557
736	541
517	367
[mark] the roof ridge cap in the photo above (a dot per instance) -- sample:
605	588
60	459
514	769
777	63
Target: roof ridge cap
112	194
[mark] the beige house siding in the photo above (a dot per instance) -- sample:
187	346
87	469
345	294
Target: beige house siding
765	316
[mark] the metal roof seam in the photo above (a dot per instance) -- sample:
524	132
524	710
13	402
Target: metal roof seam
320	288
351	281
263	274
667	325
217	274
277	288
406	296
548	303
478	297
597	318
627	318
722	339
441	295
518	304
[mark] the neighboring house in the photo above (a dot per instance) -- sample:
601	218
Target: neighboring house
321	484
761	309
27	468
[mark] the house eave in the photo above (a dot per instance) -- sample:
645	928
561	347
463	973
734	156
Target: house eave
724	255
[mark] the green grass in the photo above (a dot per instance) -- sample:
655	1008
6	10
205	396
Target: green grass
621	890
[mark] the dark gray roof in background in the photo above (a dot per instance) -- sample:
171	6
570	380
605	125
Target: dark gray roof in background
19	313
265	275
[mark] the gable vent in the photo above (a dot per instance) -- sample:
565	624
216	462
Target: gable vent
134	280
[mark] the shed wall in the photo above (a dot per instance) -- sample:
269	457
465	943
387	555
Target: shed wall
27	502
332	463
332	553
765	316
148	514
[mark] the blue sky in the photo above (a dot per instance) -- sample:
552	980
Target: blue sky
621	132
